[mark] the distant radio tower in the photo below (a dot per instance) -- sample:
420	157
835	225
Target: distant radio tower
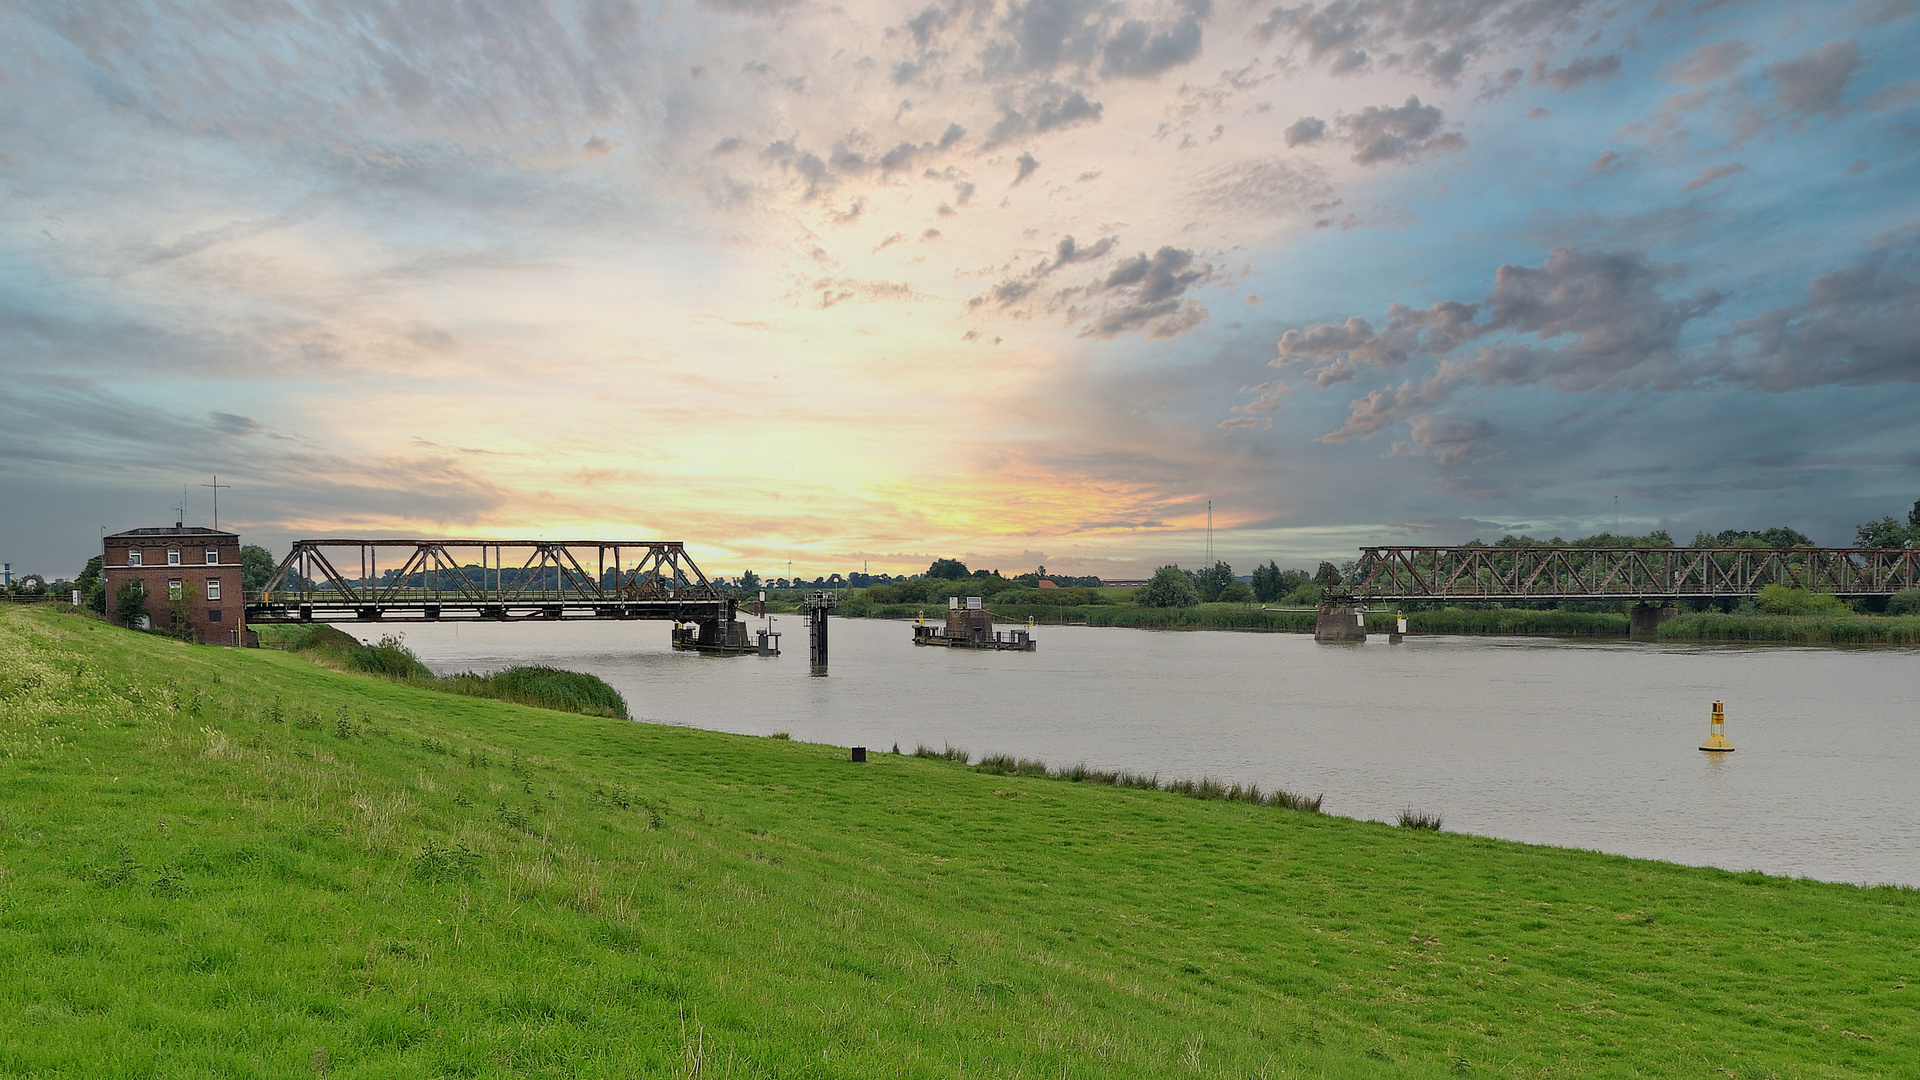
1209	534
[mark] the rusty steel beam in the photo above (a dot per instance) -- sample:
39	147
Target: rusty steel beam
1478	572
435	580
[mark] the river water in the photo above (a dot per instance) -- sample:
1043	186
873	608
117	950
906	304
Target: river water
1573	743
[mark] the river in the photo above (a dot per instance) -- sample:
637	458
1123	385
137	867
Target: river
1572	743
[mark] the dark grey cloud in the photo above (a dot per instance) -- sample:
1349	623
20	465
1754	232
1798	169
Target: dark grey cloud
1579	72
1140	50
1307	129
1448	436
1024	166
1043	108
1813	82
1434	39
1599	321
1147	293
1042	37
1066	253
1858	325
1381	133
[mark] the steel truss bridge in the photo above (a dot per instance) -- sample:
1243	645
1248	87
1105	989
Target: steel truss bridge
341	580
1645	574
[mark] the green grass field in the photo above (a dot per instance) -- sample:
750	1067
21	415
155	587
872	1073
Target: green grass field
238	863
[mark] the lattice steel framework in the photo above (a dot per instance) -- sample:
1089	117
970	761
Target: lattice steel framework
1571	573
439	580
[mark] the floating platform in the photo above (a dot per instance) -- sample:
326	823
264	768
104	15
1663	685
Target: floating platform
1000	641
710	639
971	627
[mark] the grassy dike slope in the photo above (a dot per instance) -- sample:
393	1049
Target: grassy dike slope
190	888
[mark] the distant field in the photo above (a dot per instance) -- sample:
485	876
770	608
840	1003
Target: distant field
238	863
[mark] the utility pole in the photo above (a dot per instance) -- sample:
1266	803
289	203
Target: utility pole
1209	534
216	486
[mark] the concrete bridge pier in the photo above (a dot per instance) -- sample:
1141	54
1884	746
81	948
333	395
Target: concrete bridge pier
1645	619
1340	622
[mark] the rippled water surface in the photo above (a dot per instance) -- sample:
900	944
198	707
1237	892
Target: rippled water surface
1572	743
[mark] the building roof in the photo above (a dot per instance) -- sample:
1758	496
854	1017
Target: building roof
183	532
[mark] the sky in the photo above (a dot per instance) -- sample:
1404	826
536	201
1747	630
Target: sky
860	285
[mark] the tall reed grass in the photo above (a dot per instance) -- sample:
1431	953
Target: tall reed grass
1206	787
1807	629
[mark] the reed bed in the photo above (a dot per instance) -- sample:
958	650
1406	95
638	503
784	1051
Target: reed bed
1205	788
1804	629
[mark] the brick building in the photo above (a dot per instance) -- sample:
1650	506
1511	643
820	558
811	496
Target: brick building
191	577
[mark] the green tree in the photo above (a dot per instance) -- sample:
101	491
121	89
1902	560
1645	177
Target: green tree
1785	600
92	584
1266	582
1238	592
1212	580
256	567
1885	533
949	570
1327	575
750	581
1170	587
130	602
1904	602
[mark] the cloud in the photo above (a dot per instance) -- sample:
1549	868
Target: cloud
1713	173
1042	37
1139	50
1858	325
1146	293
1708	63
1608	162
1267	188
1245	423
1026	167
597	146
1598	322
1045	108
1380	133
1066	253
1436	41
1581	71
1307	129
1449	437
1813	82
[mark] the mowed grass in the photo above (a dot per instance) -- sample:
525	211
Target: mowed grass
237	863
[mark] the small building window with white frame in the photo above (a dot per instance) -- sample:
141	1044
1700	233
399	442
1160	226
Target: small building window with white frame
213	588
213	556
176	589
133	556
173	556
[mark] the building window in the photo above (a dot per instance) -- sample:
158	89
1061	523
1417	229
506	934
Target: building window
213	588
175	589
213	614
213	556
133	556
173	556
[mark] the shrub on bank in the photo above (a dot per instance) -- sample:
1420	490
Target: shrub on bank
545	687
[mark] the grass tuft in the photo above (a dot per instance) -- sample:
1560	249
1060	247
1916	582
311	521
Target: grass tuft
1413	819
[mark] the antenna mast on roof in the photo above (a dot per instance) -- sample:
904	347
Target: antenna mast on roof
216	486
180	512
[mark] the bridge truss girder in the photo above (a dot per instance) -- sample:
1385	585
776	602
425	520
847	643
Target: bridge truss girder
1573	573
340	579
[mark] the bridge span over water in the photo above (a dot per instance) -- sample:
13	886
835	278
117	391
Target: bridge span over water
1654	576
447	580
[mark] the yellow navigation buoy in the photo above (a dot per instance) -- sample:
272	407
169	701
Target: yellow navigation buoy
1717	741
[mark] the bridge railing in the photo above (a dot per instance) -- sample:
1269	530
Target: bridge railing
1625	573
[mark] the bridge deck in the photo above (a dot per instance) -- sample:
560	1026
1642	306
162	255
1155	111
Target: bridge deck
1570	573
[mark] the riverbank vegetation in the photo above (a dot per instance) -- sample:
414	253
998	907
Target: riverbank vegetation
238	862
539	686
